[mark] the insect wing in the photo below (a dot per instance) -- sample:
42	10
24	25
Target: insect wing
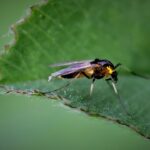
72	69
70	63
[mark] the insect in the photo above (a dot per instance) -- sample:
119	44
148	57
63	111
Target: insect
91	69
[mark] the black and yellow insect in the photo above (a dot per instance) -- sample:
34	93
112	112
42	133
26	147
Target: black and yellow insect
91	69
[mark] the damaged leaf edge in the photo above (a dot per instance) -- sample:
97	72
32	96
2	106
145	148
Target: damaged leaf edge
66	102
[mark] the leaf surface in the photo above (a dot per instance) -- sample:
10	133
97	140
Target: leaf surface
66	30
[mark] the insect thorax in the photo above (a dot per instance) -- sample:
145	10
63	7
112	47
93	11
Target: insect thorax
104	68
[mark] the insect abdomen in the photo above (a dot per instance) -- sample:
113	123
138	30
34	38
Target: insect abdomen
72	75
85	73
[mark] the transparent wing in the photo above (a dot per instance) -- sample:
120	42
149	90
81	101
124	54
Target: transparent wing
72	69
70	63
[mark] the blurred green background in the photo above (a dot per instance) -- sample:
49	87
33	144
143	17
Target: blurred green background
39	123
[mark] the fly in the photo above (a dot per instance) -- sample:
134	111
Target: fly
94	70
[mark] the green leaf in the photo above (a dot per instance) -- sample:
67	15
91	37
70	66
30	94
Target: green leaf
66	30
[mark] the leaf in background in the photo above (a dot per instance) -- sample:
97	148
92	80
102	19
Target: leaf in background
66	30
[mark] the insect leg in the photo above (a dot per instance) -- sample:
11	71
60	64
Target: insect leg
77	76
85	75
113	86
92	86
67	83
49	79
62	87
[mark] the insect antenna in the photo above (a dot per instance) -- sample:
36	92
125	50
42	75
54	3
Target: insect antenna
92	86
112	85
132	72
117	65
